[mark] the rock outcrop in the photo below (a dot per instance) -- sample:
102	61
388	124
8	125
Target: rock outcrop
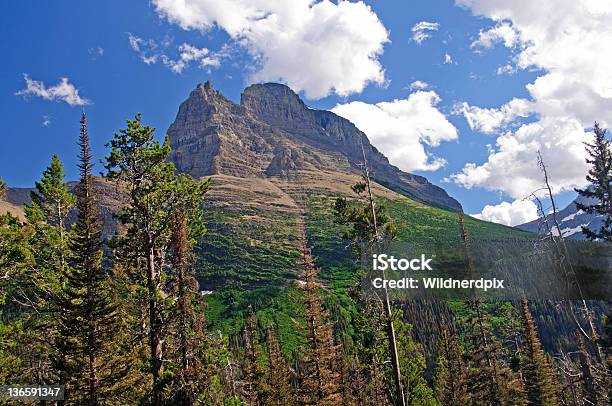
272	133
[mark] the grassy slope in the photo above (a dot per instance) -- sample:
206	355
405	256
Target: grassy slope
250	254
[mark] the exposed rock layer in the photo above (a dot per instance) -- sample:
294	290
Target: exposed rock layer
273	134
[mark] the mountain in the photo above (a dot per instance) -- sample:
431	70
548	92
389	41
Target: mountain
276	167
570	221
110	198
273	134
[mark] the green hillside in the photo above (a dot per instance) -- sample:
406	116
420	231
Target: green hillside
251	258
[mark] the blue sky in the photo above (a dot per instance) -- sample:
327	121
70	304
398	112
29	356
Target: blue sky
496	52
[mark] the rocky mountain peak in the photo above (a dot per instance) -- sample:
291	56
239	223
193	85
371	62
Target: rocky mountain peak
273	134
273	101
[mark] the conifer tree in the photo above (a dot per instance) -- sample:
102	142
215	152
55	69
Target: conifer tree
451	372
190	341
600	184
51	203
413	366
18	343
370	224
255	386
490	382
46	217
377	390
536	367
2	188
320	384
87	306
357	383
279	387
139	164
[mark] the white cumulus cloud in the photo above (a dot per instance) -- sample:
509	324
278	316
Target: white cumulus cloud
419	85
502	32
422	30
318	47
512	163
402	128
510	214
64	91
568	41
489	120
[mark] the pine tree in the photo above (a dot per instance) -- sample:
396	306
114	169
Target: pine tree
279	386
490	382
190	343
536	367
413	366
2	188
451	372
320	384
139	163
87	306
600	188
46	217
51	203
18	343
255	386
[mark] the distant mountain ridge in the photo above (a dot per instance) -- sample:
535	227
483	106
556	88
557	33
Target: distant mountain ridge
272	133
570	221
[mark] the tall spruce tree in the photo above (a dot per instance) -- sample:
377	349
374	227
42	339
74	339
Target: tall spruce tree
46	216
280	392
321	380
600	185
450	371
536	367
190	343
51	203
87	305
255	385
139	164
19	358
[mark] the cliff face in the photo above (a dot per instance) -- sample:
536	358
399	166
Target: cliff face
273	134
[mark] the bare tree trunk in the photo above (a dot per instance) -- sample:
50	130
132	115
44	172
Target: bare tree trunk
588	315
397	374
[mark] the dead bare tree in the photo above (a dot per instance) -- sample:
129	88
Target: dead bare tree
397	375
558	240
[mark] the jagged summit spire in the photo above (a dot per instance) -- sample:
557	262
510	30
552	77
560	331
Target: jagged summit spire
206	86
